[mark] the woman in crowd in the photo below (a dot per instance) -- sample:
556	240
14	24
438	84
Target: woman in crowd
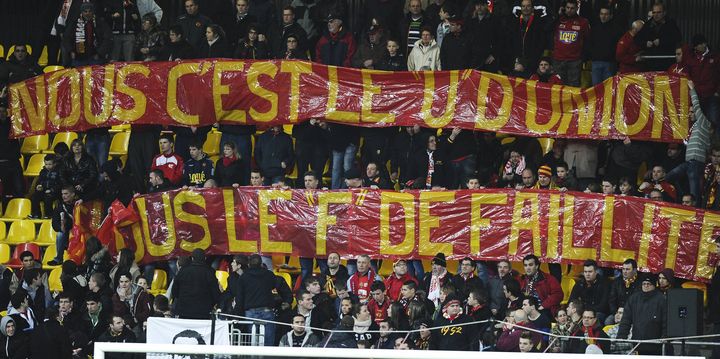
97	257
131	301
251	46
365	328
626	187
125	263
178	48
151	40
217	44
666	281
397	317
425	55
291	50
80	170
228	169
73	282
562	326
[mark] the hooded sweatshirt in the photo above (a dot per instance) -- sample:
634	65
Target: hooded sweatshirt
15	346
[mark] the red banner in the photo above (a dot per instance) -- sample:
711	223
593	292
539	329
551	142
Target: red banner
484	224
647	106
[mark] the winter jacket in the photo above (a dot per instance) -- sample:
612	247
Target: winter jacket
420	167
669	35
255	289
595	296
309	340
704	70
154	40
194	27
509	339
51	340
125	23
456	52
528	39
369	51
273	149
603	40
181	50
335	49
645	313
195	291
626	53
50	180
453	335
83	173
253	51
16	346
393	284
228	175
102	39
392	63
135	311
579	345
63	210
548	290
424	57
464	286
171	166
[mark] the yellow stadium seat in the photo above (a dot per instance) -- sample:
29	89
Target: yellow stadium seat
546	144
567	285
17	208
699	286
43	59
507	140
34	144
214	159
36	164
46	236
292	267
54	280
119	144
518	267
66	137
49	255
22	231
4	253
386	268
2	51
286	277
212	144
12	50
3	230
222	277
119	128
52	68
159	282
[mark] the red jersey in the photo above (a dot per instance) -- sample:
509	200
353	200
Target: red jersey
569	38
378	311
626	53
171	166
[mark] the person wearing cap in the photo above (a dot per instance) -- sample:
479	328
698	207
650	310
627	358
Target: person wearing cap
395	281
453	335
545	178
646	316
704	69
336	46
371	50
666	281
659	37
456	48
436	279
88	39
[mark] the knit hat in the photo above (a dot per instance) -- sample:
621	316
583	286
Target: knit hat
545	170
650	277
353	173
439	259
450	300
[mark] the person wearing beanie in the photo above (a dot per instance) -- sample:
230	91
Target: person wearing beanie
646	316
437	278
453	335
545	180
666	280
12	345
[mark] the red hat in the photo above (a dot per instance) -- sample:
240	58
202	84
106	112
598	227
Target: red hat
545	171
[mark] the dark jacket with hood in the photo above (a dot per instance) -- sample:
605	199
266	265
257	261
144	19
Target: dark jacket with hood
16	346
195	291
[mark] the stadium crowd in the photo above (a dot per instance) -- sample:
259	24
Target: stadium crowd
106	299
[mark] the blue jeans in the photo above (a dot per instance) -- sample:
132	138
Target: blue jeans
306	266
461	170
61	243
415	268
264	314
602	70
342	161
98	146
694	171
243	144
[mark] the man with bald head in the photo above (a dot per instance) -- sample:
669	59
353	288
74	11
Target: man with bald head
514	326
627	52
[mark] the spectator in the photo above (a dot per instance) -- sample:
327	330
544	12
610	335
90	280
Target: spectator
511	172
525	343
88	39
53	341
545	179
35	286
395	281
528	36
618	347
199	168
289	26
680	66
513	295
274	154
393	59
151	40
495	286
359	283
412	24
20	66
436	279
380	302
158	182
591	330
241	20
131	302
659	183
292	53
538	284
410	140
563	178
73	283
264	11
178	48
478	308
371	50
626	157
335	272
124	23
374	178
666	281
255	295
454	335
80	171
425	54
193	24
539	320
196	290
546	74
628	52
528	180
125	263
97	259
11	172
659	37
62	222
466	280
593	289
47	189
15	346
336	46
95	320
251	47
443	25
509	339
310	147
704	69
427	167
486	34
386	14
622	288
571	36
608	187
298	336
22	314
603	41
343	141
456	48
562	327
117	332
646	316
168	162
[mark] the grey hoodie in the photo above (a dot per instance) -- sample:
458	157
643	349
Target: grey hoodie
4	322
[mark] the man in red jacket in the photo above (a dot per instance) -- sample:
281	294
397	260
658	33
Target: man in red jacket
168	161
544	287
569	39
394	281
627	52
704	69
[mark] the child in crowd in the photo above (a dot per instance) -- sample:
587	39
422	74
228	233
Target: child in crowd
47	189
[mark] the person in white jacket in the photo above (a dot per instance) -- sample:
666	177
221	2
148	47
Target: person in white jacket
425	56
149	6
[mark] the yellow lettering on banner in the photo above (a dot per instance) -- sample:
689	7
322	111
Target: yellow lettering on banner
138	238
295	69
678	116
220	90
407	201
677	217
553	226
172	106
521	223
266	219
572	100
140	101
324	219
332	113
478	223
253	76
531	104
107	94
166	247
569	251
646	237
369	90
557	96
706	245
427	247
235	244
607	110
36	108
607	252
586	111
429	97
482	121
195	198
644	111
73	77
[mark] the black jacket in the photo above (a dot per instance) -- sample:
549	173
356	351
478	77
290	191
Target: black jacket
83	173
255	289
453	336
404	147
464	287
646	315
181	50
486	36
14	347
50	180
102	41
579	345
272	149
228	175
193	27
125	23
219	48
419	168
195	290
619	293
604	38
596	296
63	210
51	340
456	52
